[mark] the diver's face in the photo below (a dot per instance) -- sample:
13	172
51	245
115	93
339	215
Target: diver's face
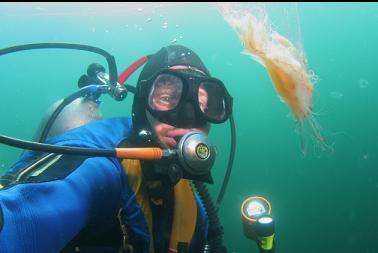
164	99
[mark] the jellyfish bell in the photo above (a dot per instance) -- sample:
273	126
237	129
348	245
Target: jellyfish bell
285	64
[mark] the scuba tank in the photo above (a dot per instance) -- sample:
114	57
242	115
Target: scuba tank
81	111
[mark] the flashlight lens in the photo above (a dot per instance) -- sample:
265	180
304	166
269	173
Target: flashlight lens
265	220
255	208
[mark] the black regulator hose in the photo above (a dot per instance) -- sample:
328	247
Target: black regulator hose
214	242
113	76
68	150
230	161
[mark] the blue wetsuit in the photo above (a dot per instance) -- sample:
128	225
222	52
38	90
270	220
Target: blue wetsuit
69	197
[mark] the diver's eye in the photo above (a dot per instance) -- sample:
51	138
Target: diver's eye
164	102
165	92
167	99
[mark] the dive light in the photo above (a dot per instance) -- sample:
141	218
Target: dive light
258	223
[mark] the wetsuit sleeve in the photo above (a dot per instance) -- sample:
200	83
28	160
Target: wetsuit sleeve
45	216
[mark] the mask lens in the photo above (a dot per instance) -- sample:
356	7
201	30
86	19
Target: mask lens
211	99
165	92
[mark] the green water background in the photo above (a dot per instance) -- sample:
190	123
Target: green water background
321	202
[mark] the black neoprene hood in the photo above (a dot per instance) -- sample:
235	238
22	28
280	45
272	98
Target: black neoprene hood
166	57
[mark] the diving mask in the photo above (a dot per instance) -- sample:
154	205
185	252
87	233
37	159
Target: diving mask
185	99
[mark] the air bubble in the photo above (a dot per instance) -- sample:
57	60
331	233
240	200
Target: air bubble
363	83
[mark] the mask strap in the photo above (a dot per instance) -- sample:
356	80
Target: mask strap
131	69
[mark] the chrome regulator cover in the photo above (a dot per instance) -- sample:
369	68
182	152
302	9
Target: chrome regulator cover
195	153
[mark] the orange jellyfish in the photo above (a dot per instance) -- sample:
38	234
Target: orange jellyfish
286	67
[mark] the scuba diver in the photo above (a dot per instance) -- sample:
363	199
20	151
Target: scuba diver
51	202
